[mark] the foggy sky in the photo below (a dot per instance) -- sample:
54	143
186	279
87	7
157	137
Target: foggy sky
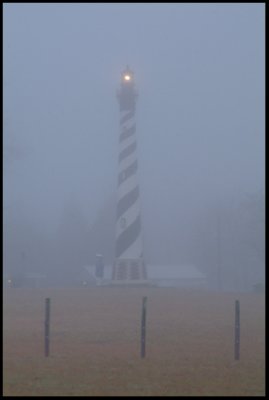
199	71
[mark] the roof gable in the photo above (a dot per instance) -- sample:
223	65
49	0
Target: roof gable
174	272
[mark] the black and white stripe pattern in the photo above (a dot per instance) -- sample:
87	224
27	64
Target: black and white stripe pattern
128	225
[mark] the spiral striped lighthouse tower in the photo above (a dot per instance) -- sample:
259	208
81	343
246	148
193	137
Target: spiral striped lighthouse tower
129	266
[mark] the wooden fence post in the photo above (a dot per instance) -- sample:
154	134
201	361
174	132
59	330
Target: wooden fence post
143	328
47	326
237	331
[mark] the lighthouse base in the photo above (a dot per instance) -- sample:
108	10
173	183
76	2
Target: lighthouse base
129	271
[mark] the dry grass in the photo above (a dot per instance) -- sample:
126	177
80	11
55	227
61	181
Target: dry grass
95	343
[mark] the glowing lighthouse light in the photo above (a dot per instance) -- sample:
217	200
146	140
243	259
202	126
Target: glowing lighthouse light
127	77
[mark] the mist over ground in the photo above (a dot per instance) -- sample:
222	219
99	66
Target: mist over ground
200	115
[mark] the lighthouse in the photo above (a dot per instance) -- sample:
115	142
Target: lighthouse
129	266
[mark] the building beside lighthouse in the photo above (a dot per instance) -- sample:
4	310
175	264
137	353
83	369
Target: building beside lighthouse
129	266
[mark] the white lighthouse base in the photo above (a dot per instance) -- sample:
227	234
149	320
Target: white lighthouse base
129	271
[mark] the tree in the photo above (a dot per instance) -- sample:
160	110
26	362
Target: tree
71	250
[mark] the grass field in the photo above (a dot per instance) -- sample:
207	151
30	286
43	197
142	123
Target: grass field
95	343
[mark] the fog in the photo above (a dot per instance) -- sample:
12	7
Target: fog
200	75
